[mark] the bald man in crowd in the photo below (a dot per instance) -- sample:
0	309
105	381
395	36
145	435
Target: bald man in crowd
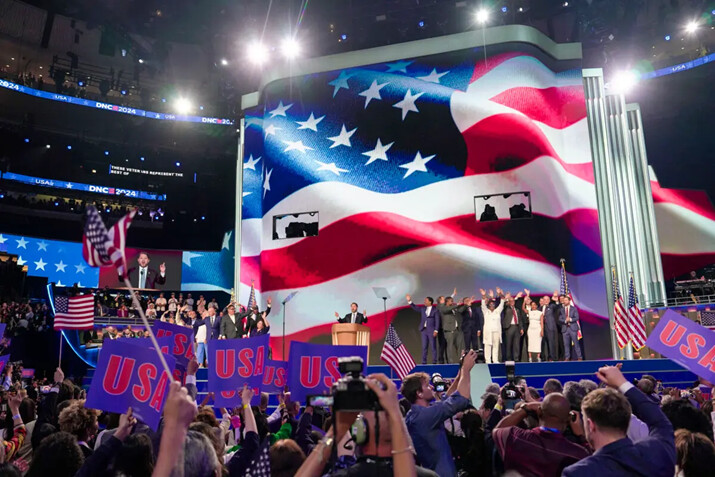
542	450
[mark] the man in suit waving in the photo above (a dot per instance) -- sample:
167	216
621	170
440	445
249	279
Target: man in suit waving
353	316
571	326
429	324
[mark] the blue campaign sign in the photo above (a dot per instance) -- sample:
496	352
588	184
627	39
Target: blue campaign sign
237	362
275	376
56	184
182	339
112	107
130	375
313	368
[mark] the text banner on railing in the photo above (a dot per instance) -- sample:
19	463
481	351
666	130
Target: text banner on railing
39	181
112	107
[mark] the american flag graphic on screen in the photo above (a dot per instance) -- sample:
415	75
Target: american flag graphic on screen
392	156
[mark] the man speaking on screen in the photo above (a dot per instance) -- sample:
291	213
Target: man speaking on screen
142	276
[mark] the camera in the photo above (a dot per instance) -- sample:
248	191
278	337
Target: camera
350	393
510	392
438	383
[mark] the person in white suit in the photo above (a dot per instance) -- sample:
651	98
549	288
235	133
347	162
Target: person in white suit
492	331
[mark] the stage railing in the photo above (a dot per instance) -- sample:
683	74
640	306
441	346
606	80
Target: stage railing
686	300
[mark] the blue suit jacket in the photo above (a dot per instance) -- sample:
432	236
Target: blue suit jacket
214	331
573	314
433	320
652	457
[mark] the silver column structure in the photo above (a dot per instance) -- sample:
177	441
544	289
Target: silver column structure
239	211
624	198
654	294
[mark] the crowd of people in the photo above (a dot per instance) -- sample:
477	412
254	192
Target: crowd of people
610	427
508	327
22	316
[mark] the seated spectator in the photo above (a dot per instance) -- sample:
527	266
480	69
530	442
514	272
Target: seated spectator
425	420
696	454
607	416
542	451
81	422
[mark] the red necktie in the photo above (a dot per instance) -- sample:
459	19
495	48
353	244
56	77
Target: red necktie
515	320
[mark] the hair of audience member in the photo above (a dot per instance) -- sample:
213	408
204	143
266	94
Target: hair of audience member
58	455
683	415
552	385
646	385
490	400
65	392
706	408
575	393
78	420
264	401
207	415
261	422
608	409
286	458
696	453
534	393
136	456
27	410
650	378
110	420
412	384
589	385
9	470
212	436
405	406
199	455
41	431
666	399
475	454
76	390
328	423
492	388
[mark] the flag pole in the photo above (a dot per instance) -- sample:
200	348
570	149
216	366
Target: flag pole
138	307
60	360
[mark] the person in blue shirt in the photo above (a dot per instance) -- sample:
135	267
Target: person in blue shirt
425	419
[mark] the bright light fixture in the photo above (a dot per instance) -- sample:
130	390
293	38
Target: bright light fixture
183	106
691	27
290	48
224	62
257	53
624	82
482	15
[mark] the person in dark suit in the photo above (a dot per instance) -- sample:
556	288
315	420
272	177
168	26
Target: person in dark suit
429	324
512	322
451	314
607	415
550	308
354	316
571	326
144	277
233	325
472	324
213	324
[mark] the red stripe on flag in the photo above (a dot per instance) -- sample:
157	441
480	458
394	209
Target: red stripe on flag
556	107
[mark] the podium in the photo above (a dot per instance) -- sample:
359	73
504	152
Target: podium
351	334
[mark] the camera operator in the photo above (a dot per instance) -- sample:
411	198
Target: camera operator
425	420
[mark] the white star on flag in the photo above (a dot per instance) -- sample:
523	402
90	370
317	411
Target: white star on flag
378	153
80	268
227	240
373	92
59	283
398	66
342	139
310	123
280	110
42	246
271	129
296	145
2	239
408	104
246	193
20	261
251	163
68	185
330	167
417	165
22	243
267	182
433	77
40	265
60	266
187	256
340	82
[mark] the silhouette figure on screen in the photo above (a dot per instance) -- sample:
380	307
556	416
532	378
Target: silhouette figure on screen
519	211
490	213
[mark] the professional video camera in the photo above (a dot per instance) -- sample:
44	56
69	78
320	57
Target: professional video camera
510	393
350	393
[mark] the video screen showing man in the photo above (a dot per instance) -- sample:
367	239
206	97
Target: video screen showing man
142	276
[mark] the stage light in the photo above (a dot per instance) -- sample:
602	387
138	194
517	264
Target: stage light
124	52
108	210
623	82
183	106
421	24
290	48
27	139
257	53
201	108
124	92
566	4
163	100
224	62
141	61
504	9
48	146
667	37
521	9
203	217
106	153
692	27
94	171
178	164
80	84
482	15
343	37
69	148
141	158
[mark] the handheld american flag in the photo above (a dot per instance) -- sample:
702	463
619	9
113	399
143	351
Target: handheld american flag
102	247
620	317
261	464
251	297
396	355
635	319
74	313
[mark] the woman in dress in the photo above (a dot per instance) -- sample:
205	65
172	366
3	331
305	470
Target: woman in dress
535	331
